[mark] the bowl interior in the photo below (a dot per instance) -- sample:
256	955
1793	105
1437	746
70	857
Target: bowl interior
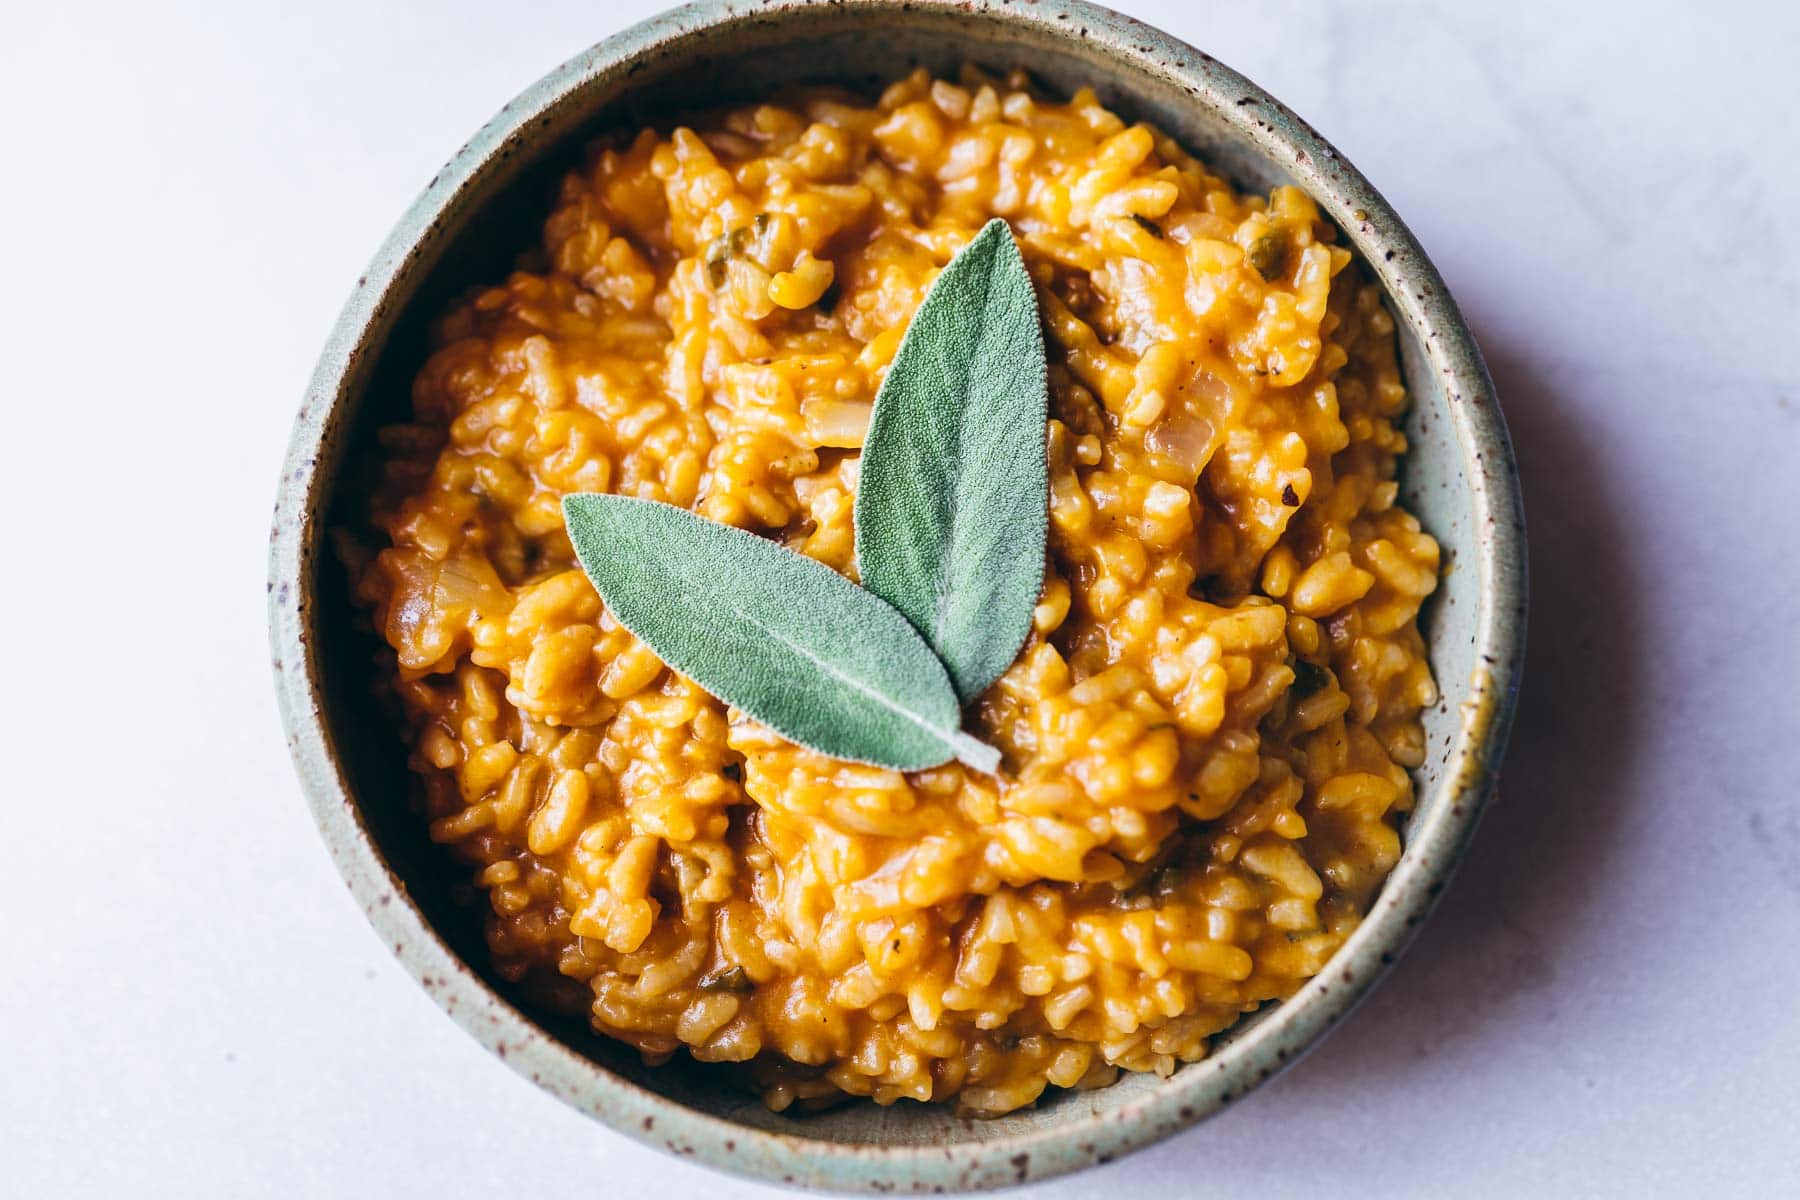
495	205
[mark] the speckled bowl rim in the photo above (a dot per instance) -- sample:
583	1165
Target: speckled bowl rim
1435	841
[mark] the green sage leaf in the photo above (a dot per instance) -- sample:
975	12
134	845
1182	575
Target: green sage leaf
788	640
952	507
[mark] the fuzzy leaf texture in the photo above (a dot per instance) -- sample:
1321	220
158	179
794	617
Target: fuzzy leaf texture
952	509
786	639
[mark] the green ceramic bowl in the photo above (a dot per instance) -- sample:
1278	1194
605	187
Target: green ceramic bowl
486	204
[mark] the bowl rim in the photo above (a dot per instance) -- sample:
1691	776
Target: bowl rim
1247	1055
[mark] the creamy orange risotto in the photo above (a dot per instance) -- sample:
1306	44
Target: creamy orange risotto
1206	737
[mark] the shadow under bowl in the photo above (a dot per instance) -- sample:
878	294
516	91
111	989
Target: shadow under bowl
468	226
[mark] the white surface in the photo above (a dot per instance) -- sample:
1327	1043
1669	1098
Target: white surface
1606	1004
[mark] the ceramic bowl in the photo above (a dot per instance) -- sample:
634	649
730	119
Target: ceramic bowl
485	206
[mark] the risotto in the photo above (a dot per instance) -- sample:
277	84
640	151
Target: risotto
1206	736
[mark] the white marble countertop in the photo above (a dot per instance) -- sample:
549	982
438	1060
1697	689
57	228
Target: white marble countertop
1606	1004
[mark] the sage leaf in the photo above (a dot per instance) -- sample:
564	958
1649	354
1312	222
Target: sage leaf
952	506
786	639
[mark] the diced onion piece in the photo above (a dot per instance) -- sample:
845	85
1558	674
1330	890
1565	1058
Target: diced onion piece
841	423
1185	441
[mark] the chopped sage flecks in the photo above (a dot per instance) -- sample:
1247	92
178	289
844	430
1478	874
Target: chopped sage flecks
1148	226
1268	255
728	979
